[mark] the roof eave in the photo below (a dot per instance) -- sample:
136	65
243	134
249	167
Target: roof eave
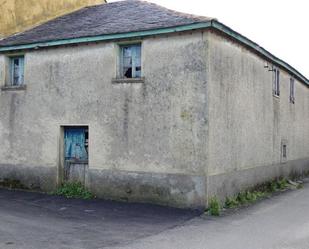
258	49
107	37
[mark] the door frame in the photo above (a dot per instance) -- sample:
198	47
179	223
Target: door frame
61	148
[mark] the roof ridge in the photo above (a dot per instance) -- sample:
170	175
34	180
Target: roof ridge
174	11
187	15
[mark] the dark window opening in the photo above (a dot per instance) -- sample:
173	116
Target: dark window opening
292	90
276	82
284	151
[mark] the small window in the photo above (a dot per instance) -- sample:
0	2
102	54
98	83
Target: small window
131	61
17	71
276	82
284	151
292	90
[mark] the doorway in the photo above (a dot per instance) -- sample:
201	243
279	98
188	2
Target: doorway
76	151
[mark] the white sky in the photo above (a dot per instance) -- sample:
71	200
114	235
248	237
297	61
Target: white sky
280	26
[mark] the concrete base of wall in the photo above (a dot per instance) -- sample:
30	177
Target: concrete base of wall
231	183
34	178
183	191
175	190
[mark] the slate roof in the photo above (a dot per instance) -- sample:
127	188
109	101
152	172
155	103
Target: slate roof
110	18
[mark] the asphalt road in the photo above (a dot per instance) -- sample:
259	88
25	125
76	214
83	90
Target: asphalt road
38	221
281	222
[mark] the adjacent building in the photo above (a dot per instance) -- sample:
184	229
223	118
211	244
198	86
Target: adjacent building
142	103
21	15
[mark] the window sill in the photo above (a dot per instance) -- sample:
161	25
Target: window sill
13	88
128	80
276	96
76	161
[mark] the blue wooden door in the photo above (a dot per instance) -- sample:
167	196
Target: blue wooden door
76	154
75	144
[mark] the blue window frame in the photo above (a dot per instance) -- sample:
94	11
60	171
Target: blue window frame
130	61
17	70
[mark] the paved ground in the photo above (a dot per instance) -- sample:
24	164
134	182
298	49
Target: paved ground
281	222
38	221
31	220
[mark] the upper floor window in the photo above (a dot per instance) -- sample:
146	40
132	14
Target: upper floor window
276	82
131	61
17	71
292	90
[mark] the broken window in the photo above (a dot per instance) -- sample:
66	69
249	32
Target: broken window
292	90
276	82
17	71
131	61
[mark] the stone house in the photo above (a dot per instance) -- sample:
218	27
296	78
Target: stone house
142	103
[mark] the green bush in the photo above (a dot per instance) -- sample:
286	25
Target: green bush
214	206
243	198
231	202
251	196
258	192
74	190
282	183
276	184
273	187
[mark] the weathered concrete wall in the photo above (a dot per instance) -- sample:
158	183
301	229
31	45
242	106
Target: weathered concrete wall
19	15
203	123
247	123
156	131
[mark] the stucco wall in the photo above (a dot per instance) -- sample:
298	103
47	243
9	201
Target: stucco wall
156	127
204	122
246	122
19	15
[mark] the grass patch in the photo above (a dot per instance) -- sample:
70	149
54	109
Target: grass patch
273	186
282	184
250	196
259	192
244	198
214	206
74	190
